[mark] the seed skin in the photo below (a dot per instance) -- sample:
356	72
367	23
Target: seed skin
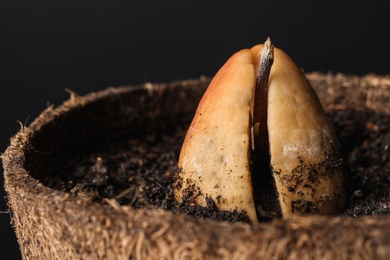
303	151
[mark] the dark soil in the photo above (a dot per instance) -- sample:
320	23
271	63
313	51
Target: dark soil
140	170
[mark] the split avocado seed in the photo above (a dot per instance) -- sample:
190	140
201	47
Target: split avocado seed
260	109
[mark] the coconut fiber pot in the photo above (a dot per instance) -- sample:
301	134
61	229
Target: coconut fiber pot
67	203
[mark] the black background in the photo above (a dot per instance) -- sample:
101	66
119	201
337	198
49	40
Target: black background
48	46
